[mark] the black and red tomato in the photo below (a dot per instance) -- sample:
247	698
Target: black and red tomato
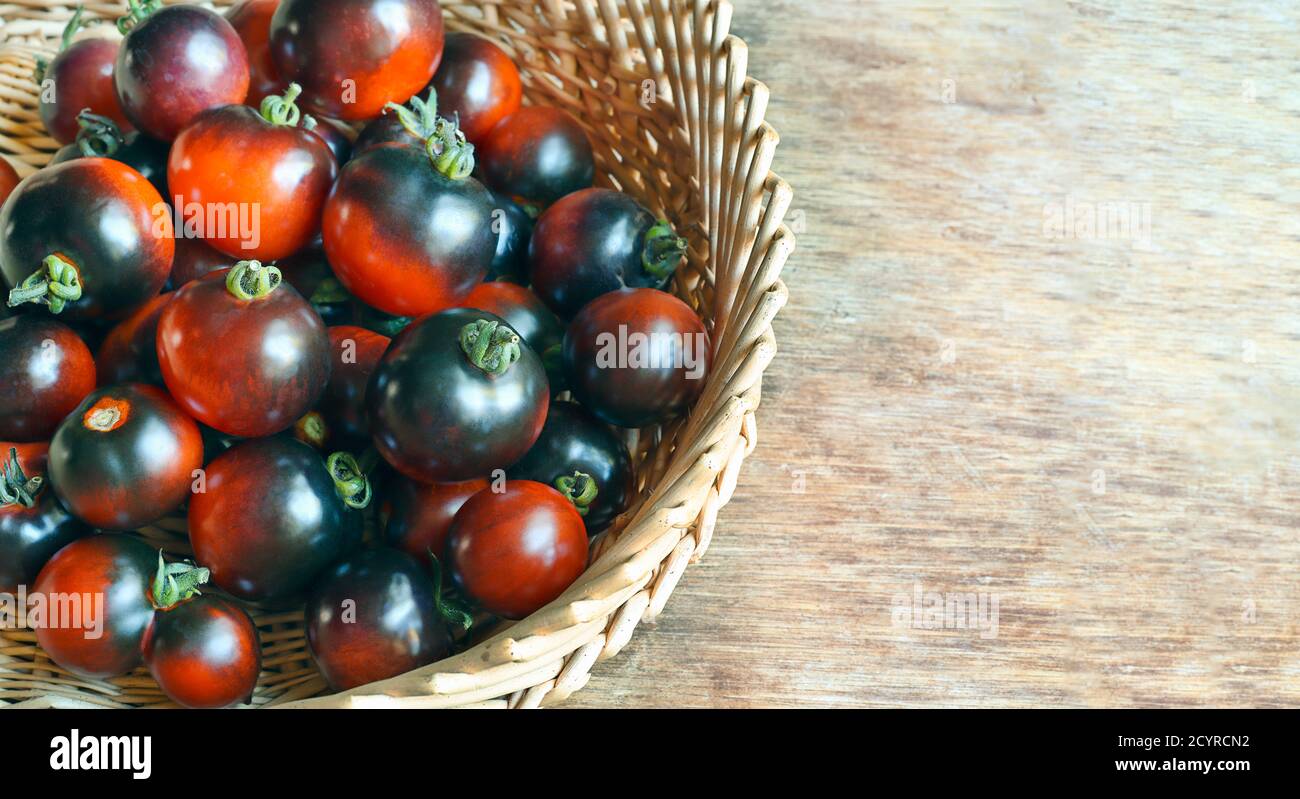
45	372
242	352
511	552
514	229
457	395
420	514
372	616
272	514
537	155
204	651
125	457
477	83
352	58
80	77
635	357
33	523
89	238
176	62
355	353
595	241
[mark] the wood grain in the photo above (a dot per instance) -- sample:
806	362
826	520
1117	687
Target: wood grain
1097	426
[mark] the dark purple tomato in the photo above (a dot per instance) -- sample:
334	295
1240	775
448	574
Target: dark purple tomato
100	136
355	352
514	228
374	616
309	272
352	57
129	353
242	352
457	395
79	77
89	238
251	19
411	124
105	642
204	652
595	241
513	551
478	83
584	460
45	371
537	155
272	515
635	357
33	524
193	260
125	457
407	230
420	514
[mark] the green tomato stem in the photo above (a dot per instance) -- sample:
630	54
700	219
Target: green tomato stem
579	488
491	346
174	583
662	250
249	280
55	284
350	482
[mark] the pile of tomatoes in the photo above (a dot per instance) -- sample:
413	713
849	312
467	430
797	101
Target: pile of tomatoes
312	274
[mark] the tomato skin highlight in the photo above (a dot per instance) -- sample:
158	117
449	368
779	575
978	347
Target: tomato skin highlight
421	514
45	371
436	417
395	626
125	457
269	520
403	238
271	366
82	78
282	173
204	652
515	551
626	387
118	569
537	154
29	537
478	83
352	58
178	62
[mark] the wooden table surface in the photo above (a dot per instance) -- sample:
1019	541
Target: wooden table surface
1041	350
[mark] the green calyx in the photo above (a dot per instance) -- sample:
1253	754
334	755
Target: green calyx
579	488
328	292
249	280
451	153
174	583
662	250
311	430
98	136
17	488
491	346
280	109
137	11
453	610
55	284
350	482
419	117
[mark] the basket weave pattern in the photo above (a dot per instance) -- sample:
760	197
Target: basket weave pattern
674	121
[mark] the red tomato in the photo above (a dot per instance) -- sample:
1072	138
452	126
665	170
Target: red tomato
235	157
422	512
515	551
242	352
204	652
478	82
8	179
45	371
251	19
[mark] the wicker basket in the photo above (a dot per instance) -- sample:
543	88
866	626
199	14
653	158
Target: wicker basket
661	88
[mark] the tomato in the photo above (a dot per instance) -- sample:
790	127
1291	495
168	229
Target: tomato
407	230
354	56
635	357
513	552
96	233
583	459
596	241
538	154
8	179
193	260
355	352
242	352
45	371
421	514
251	20
100	136
309	272
176	62
514	230
478	83
33	523
410	124
125	457
204	652
129	353
374	616
101	637
273	514
457	395
237	157
80	77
